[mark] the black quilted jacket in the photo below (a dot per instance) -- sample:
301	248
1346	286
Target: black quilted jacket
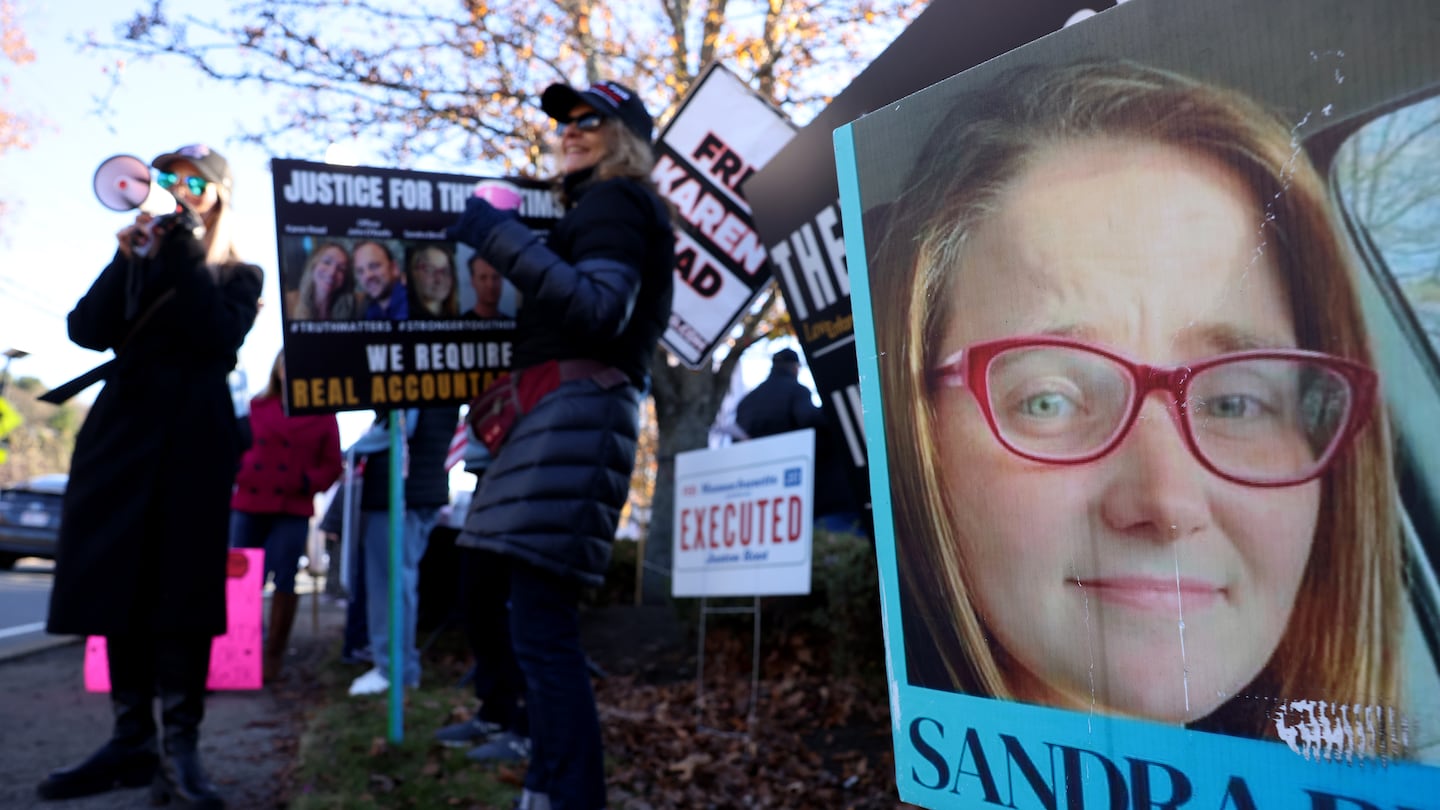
599	289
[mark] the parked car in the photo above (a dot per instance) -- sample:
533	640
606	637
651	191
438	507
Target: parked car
30	518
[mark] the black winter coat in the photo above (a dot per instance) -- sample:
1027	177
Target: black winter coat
780	404
144	533
427	482
599	289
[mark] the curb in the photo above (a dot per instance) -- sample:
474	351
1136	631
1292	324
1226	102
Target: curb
41	643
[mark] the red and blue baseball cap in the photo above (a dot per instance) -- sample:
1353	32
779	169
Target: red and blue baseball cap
608	98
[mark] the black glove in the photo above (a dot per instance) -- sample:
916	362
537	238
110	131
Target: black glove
475	224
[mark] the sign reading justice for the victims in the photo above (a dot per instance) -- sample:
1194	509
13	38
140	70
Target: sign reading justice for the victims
379	309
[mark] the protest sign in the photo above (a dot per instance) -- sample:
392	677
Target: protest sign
379	309
743	518
1150	414
796	200
721	135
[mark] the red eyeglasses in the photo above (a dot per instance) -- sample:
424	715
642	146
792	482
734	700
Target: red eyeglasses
1264	418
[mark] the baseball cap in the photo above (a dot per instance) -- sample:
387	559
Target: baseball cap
212	165
608	98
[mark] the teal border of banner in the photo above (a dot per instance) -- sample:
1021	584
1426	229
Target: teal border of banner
1272	774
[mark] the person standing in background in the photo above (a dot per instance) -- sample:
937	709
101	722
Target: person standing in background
781	404
143	540
290	460
427	488
500	727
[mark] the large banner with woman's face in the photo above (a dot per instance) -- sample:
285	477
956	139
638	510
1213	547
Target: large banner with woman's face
1147	316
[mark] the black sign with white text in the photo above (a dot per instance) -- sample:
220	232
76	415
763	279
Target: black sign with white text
380	310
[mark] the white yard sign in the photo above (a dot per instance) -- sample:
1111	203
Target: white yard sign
743	518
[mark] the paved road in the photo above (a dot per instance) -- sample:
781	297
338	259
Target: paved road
248	739
24	602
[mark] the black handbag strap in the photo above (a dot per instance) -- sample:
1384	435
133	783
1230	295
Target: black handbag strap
64	391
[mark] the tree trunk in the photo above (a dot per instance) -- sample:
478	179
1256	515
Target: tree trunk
685	406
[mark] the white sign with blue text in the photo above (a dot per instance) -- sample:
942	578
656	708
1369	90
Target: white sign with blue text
743	518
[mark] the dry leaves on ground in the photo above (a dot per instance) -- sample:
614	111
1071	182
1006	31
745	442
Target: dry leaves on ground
814	740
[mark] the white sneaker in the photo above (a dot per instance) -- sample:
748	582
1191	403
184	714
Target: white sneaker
371	683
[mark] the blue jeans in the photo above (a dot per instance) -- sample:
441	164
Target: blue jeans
567	761
357	633
283	538
375	545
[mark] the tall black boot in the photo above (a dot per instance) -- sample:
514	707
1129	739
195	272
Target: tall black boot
282	618
129	758
181	667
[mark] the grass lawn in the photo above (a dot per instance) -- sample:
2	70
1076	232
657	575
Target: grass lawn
346	760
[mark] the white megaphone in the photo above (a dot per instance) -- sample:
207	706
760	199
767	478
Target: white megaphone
122	183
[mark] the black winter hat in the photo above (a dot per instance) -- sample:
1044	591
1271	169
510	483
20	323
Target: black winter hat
610	99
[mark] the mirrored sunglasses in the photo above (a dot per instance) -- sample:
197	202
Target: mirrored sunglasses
169	180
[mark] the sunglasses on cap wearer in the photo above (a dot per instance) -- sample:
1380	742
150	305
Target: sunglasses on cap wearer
169	180
589	122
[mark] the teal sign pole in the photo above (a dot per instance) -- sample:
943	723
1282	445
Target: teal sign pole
397	552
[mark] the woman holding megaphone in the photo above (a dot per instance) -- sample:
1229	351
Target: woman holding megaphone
143	538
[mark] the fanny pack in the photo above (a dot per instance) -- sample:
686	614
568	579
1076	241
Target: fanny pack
513	394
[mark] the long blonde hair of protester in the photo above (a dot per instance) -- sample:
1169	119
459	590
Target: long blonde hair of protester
1342	641
220	253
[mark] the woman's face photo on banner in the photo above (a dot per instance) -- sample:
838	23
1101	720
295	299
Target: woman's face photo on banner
1139	465
326	287
432	283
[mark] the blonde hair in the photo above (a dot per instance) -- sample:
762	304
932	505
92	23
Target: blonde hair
221	256
306	307
1348	609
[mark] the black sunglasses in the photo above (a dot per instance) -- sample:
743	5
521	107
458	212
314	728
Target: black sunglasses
589	122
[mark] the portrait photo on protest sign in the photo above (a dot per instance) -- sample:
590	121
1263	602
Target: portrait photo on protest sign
379	308
1151	388
795	198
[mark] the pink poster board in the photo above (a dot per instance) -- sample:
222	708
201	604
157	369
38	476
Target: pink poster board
235	656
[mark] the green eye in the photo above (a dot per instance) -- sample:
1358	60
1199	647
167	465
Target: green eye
1047	406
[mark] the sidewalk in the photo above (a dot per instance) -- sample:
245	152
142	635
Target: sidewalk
248	739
